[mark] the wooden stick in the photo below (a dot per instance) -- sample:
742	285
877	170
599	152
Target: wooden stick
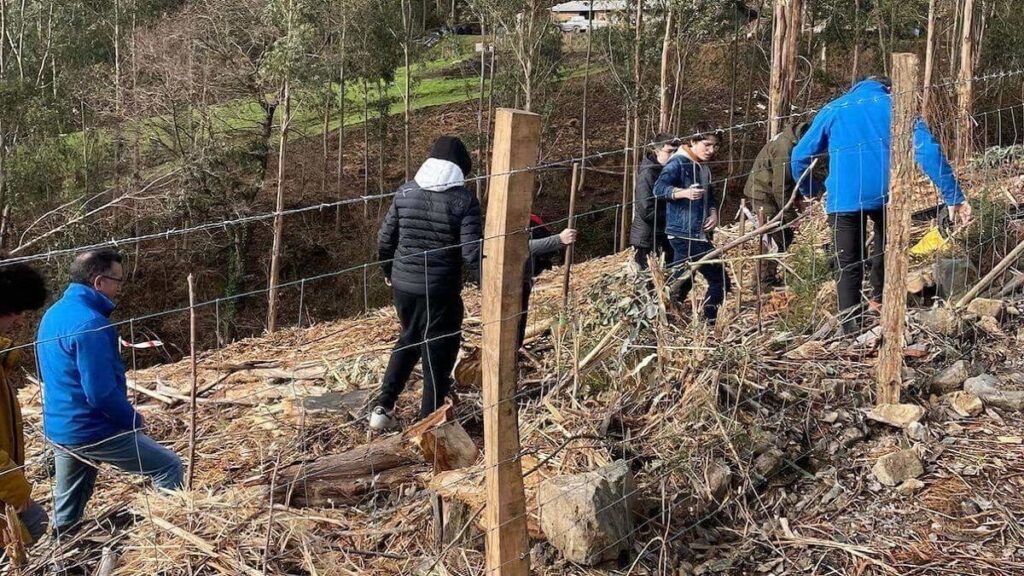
758	265
571	224
739	273
195	379
997	271
897	229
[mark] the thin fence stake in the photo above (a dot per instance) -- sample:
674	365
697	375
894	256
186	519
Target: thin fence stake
195	379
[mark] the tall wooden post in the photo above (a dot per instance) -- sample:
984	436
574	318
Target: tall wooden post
516	146
782	84
965	87
905	88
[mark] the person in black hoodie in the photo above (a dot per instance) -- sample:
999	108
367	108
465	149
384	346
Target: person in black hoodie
647	232
430	236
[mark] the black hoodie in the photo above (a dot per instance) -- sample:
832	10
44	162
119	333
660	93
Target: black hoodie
648	211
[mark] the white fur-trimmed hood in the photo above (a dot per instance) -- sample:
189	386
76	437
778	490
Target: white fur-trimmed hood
437	175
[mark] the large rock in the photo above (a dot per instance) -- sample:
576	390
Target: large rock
965	404
990	390
898	415
987	308
893	469
587	516
939	320
952	378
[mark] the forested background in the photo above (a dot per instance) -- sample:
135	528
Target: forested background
121	118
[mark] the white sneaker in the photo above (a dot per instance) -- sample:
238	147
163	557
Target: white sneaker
383	419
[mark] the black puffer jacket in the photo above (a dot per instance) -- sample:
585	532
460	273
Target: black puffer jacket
431	229
648	212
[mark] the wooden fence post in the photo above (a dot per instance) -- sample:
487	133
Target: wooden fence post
505	250
195	383
905	91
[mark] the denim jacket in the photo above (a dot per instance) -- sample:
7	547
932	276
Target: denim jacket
685	218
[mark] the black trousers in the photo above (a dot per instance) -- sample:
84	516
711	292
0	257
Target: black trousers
715	274
849	236
431	331
662	246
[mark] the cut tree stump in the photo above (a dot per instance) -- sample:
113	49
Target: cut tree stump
442	441
348	477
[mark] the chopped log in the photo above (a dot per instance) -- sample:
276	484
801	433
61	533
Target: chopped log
443	442
348	477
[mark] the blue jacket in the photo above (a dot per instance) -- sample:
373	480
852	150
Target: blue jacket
685	218
84	395
855	130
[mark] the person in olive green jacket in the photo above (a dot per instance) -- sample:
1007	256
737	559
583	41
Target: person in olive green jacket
770	186
22	289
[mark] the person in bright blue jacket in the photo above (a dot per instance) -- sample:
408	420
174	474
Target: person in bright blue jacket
86	414
855	131
692	213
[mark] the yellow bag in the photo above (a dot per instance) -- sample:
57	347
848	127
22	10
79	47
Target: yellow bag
931	243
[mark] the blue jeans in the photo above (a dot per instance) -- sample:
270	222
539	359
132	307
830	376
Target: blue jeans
129	451
718	281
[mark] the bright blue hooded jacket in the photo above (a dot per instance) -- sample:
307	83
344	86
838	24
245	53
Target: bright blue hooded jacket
685	218
855	130
84	395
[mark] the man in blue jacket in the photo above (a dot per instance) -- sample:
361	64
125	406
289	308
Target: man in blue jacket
855	131
692	213
86	413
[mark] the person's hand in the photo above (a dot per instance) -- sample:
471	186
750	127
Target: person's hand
711	222
961	212
387	281
567	236
694	192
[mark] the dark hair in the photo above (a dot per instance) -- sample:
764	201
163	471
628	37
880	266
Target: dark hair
663	139
885	81
702	131
21	289
92	264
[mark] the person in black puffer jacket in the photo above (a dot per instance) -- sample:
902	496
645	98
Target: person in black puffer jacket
647	233
430	237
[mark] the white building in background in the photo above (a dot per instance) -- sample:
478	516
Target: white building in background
574	16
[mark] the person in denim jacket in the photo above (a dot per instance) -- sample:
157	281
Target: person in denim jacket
692	213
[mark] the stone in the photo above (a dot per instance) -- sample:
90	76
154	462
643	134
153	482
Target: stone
942	321
830	417
917	431
893	469
987	307
991	326
898	415
965	404
852	436
587	516
990	389
951	378
910	486
769	463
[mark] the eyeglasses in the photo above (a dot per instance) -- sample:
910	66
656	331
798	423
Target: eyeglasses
118	280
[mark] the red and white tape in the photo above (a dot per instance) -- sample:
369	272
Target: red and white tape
141	345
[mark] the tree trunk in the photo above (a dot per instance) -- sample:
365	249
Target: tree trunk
480	121
275	254
407	88
929	62
341	122
785	36
586	96
666	50
965	95
366	138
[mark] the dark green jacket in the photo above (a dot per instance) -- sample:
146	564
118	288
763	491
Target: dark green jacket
771	177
